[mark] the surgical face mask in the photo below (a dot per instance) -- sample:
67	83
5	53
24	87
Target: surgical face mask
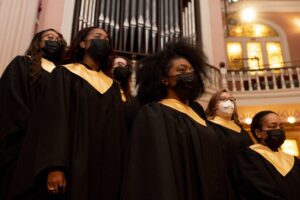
226	108
275	138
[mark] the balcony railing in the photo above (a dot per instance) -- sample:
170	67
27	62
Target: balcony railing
261	79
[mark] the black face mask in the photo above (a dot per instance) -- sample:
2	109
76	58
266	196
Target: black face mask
275	138
100	50
185	86
122	74
52	50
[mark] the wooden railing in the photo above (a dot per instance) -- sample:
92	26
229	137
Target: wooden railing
261	79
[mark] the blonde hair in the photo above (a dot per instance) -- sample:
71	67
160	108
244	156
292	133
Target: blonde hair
211	107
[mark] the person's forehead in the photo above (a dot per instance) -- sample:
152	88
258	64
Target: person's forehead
272	118
180	61
98	31
120	60
50	33
225	94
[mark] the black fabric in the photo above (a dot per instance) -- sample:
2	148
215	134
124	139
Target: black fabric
198	109
132	108
231	143
256	178
18	97
170	156
79	130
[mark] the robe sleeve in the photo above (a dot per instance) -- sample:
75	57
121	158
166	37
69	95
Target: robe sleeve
14	97
47	141
149	167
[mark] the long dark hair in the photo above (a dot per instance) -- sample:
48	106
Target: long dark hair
153	69
125	85
75	53
35	52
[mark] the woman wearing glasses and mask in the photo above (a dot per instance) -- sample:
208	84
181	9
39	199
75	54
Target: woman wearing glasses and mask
79	154
262	170
20	87
222	115
172	153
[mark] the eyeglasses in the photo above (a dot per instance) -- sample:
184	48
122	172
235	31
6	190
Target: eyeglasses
232	99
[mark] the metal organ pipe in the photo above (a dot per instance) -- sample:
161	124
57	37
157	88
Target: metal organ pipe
141	26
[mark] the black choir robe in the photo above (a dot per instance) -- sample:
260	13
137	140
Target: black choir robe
18	98
172	154
78	128
262	174
132	108
197	107
232	138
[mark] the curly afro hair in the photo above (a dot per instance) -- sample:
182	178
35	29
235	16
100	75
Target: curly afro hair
154	68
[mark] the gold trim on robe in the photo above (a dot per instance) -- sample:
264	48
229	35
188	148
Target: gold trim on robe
181	107
97	79
227	124
282	162
47	65
123	95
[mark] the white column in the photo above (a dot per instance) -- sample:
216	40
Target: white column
266	80
282	78
290	71
17	19
212	31
233	81
67	21
242	81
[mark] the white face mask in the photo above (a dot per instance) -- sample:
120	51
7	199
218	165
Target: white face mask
226	108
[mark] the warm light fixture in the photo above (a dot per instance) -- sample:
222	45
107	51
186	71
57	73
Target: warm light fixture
297	22
248	15
290	146
291	119
248	120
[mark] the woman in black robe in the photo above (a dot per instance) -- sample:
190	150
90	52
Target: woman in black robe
20	87
263	171
122	71
77	137
222	115
172	153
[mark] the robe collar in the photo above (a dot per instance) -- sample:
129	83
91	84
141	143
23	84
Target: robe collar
183	108
123	95
97	79
282	162
47	65
227	124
